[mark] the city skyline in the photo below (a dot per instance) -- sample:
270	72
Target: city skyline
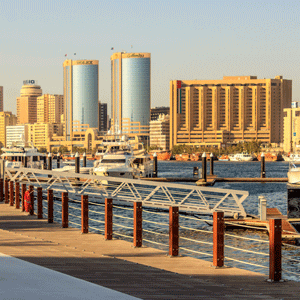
193	40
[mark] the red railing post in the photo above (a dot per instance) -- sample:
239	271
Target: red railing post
275	250
108	219
11	193
50	206
65	209
23	193
39	203
218	239
84	214
137	224
173	231
31	191
1	189
17	194
6	191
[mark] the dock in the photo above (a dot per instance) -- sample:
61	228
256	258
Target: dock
145	272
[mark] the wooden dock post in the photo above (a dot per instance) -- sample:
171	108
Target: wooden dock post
1	190
22	195
218	239
11	193
58	160
84	160
108	219
50	206
211	171
31	190
84	214
137	224
204	175
40	203
275	250
17	194
77	163
263	166
49	162
6	191
65	209
154	165
173	231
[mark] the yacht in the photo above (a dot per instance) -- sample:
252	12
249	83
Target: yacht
244	156
293	157
293	174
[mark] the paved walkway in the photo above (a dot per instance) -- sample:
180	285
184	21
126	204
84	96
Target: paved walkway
144	272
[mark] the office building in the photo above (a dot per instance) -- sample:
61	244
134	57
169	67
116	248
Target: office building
102	125
157	111
291	126
235	109
50	108
130	92
6	119
160	132
1	98
17	135
80	93
27	102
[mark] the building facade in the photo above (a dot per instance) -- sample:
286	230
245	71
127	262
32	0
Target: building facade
50	108
160	132
80	93
291	125
27	102
102	124
17	135
216	112
157	111
6	119
131	92
1	98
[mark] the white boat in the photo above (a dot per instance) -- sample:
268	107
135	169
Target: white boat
69	166
244	156
294	174
293	157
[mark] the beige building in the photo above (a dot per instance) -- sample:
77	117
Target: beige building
160	132
50	108
6	119
291	125
1	98
218	112
27	103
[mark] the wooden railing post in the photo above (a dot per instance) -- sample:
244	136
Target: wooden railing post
173	231
275	250
65	209
31	190
137	224
6	191
218	239
1	190
17	194
40	203
50	206
108	218
84	214
11	193
22	195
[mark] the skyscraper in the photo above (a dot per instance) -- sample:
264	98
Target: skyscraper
130	90
50	108
102	125
80	93
1	98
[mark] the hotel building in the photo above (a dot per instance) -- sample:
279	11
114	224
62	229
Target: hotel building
160	132
130	92
291	125
220	112
1	98
50	108
6	119
17	134
80	93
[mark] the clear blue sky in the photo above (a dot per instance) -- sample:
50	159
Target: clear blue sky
203	39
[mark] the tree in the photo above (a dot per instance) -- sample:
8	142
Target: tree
43	150
63	149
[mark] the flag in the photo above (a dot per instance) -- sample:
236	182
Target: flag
65	54
112	48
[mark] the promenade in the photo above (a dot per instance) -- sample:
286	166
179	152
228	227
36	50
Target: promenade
144	273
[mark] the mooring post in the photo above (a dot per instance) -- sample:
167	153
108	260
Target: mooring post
263	166
154	165
77	163
6	191
137	224
1	189
84	214
40	203
22	195
17	194
11	193
108	218
50	206
275	249
173	231
204	177
196	172
211	171
25	161
31	191
218	239
49	162
65	212
84	160
262	208
58	160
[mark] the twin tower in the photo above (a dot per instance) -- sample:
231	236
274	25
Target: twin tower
130	92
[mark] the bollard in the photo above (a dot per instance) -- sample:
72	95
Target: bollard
196	172
11	193
173	231
108	219
64	211
1	190
137	224
39	203
204	177
275	250
6	191
77	163
22	195
25	161
17	194
218	239
84	214
84	160
31	199
211	171
58	160
263	166
50	206
44	163
49	162
262	208
154	165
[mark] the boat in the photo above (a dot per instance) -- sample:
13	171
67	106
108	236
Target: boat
182	157
271	157
224	157
161	155
69	166
293	174
244	156
292	157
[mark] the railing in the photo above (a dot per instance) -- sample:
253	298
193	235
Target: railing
155	194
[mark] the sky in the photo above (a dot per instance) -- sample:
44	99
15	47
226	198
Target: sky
191	39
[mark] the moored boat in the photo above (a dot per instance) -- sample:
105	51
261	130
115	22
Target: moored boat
161	155
271	157
224	157
244	156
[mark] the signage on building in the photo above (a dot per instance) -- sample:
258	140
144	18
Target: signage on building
135	55
25	82
85	62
